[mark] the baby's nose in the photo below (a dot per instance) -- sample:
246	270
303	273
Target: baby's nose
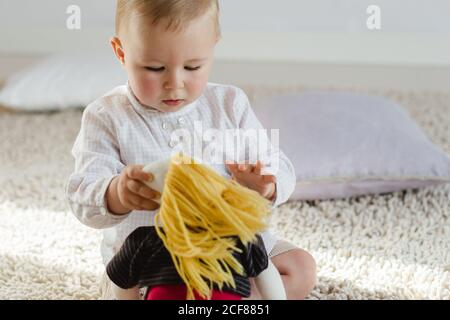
174	81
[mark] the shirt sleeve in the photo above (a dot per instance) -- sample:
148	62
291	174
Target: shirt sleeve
268	150
97	162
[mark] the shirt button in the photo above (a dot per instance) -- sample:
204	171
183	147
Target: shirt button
181	121
165	126
172	144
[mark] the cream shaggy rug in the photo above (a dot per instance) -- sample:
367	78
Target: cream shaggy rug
393	246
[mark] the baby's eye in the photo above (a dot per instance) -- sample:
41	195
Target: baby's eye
192	68
155	69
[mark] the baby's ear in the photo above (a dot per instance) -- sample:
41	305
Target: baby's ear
116	45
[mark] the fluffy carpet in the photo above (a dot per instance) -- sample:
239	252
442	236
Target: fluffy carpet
392	246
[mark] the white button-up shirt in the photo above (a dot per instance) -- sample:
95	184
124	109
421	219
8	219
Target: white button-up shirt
116	131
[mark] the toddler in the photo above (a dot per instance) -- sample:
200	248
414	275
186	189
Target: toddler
167	49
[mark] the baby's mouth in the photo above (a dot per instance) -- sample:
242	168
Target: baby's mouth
173	103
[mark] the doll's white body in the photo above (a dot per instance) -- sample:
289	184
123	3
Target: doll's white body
270	285
159	172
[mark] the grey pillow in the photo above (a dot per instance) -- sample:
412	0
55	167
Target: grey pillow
62	81
345	144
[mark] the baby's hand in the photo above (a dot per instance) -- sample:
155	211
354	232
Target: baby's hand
250	176
132	191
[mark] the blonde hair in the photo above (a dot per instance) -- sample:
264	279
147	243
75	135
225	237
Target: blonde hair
176	13
201	216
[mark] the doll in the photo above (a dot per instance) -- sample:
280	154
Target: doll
205	242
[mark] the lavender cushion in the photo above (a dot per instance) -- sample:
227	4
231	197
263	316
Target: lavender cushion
345	144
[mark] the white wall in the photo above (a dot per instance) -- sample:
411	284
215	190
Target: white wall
412	16
414	32
330	16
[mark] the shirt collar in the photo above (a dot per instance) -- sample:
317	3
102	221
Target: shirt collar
137	105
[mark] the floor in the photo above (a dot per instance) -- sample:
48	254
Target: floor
394	246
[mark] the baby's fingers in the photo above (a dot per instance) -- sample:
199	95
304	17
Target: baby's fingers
257	168
139	203
244	167
142	190
269	178
136	172
238	167
233	168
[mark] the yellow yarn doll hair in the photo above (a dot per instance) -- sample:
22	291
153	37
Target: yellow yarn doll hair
199	213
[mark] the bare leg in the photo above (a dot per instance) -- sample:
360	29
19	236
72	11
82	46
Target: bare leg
126	294
254	294
298	271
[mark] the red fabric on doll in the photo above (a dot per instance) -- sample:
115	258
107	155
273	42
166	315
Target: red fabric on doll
178	292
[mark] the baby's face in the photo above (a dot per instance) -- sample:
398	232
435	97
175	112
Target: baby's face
168	70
